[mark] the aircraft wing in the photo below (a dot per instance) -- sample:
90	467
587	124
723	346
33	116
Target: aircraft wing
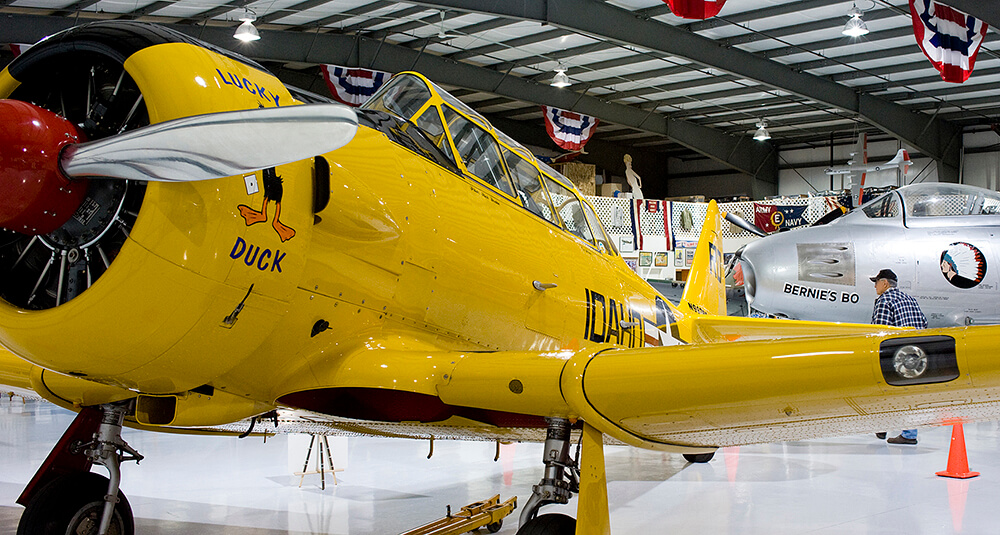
711	329
15	376
680	398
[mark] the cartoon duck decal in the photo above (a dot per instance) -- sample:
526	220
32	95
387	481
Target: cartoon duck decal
273	191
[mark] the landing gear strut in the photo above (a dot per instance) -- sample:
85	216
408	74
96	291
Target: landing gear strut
65	497
560	480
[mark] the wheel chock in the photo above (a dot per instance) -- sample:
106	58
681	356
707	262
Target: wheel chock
489	513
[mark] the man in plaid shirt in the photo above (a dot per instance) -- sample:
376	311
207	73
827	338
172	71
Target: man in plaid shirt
896	309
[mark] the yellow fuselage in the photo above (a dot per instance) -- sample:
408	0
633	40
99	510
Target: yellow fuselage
406	256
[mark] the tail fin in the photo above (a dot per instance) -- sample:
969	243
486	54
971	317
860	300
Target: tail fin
705	291
859	156
899	157
863	147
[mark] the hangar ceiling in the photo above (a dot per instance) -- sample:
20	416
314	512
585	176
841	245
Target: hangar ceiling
661	85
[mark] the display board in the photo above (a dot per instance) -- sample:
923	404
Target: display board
668	258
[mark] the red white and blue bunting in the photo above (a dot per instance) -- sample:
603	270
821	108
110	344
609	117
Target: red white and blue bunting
18	48
695	9
569	130
948	37
650	206
353	86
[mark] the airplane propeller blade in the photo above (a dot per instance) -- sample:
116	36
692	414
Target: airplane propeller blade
830	216
744	224
205	147
733	260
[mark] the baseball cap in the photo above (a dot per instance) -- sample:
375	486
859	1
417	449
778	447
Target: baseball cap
884	274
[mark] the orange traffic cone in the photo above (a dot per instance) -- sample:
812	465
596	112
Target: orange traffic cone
958	463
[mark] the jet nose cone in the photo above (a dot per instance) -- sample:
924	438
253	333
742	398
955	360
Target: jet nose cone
749	279
756	260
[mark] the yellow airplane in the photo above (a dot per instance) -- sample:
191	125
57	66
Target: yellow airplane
190	243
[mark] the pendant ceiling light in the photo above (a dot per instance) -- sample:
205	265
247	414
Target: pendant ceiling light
560	79
855	26
247	32
762	133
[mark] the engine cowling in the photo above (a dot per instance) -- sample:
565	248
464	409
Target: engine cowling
134	289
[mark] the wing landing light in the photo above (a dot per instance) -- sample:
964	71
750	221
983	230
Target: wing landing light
46	162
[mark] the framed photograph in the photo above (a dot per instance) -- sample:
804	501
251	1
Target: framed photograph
661	260
645	258
688	257
626	244
678	258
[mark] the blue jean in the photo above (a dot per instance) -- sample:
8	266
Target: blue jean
909	433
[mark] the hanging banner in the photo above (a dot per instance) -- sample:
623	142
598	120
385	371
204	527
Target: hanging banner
792	216
695	9
651	206
767	217
636	208
667	218
353	86
949	38
18	48
569	130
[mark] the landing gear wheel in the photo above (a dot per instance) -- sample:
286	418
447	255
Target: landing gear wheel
494	527
73	504
554	524
698	457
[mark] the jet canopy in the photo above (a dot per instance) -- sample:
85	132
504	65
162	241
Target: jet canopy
934	200
937	200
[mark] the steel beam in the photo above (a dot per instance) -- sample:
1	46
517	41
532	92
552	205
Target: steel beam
741	153
930	135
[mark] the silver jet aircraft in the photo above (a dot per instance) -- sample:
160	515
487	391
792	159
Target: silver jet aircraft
942	240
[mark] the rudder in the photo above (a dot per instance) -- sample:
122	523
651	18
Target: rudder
705	291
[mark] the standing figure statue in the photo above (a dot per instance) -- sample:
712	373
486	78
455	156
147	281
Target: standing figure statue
634	181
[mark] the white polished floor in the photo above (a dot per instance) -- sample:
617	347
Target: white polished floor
206	485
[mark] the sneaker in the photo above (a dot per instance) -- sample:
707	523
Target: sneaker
901	440
880	436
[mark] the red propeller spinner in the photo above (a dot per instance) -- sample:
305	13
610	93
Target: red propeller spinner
36	197
44	164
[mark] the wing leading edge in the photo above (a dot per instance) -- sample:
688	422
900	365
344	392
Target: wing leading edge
681	398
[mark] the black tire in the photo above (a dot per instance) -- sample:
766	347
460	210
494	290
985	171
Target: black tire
698	457
554	524
494	527
72	502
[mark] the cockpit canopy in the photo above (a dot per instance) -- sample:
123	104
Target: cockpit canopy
469	141
937	200
934	200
